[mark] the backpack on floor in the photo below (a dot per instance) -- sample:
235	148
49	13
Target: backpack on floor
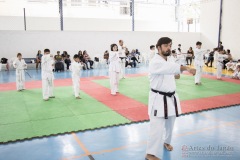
4	60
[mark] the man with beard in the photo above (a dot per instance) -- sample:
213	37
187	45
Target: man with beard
164	105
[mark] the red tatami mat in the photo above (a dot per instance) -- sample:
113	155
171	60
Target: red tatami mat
127	107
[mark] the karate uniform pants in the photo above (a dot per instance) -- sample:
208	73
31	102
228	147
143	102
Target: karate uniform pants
122	72
114	80
219	69
20	79
198	75
157	138
47	87
76	85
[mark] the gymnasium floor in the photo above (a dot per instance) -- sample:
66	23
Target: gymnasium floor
210	135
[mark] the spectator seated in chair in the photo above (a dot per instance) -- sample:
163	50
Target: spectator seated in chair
87	60
106	56
67	61
59	64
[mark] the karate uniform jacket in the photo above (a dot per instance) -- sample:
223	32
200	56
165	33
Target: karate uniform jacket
161	75
19	65
47	67
114	65
198	60
75	68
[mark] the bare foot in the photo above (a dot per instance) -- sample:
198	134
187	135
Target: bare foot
168	147
151	157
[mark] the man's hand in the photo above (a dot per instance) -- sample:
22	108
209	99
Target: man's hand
177	76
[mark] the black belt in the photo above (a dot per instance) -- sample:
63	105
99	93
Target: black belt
165	94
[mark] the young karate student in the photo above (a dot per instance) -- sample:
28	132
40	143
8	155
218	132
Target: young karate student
236	74
47	75
114	68
152	53
76	68
122	56
20	65
219	62
164	103
198	62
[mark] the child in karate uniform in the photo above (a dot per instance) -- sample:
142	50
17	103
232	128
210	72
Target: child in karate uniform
219	62
236	74
114	68
76	68
20	65
47	75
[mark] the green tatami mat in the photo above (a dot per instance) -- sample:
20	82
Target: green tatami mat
25	115
138	88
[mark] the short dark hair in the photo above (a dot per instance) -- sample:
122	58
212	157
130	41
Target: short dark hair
173	51
163	40
120	41
220	42
19	54
151	47
199	43
46	50
59	51
179	44
228	50
75	56
112	45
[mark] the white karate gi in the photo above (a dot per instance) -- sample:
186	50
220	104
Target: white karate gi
122	54
162	79
76	68
151	55
20	65
181	59
236	74
219	62
114	70
47	76
216	53
198	63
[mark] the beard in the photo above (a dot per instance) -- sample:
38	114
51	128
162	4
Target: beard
167	53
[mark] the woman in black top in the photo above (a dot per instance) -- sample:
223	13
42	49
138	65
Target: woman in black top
190	55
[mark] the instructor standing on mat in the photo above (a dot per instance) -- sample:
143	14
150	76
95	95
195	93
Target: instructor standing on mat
164	105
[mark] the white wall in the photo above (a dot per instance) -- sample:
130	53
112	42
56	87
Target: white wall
83	24
230	27
209	23
29	42
230	35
